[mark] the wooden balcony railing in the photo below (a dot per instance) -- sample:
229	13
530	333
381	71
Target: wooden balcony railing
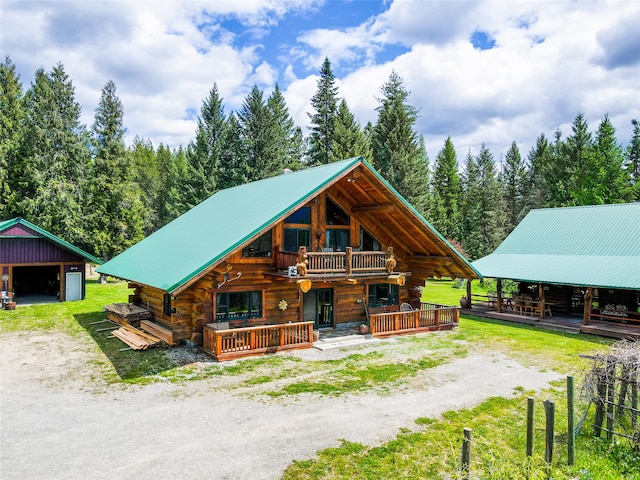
430	316
347	262
245	342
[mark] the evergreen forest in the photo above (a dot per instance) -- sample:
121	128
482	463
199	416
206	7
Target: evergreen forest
84	184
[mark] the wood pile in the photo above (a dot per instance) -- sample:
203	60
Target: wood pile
159	331
134	338
126	313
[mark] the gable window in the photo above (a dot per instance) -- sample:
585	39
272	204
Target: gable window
383	295
335	215
238	305
368	243
260	247
302	216
337	240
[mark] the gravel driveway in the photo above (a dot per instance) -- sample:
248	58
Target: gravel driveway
58	420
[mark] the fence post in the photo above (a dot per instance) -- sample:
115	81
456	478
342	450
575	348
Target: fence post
549	410
611	386
530	416
466	454
571	434
601	390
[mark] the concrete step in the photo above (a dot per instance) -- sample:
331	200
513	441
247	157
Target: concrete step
344	342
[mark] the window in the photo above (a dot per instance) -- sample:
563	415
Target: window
297	233
238	305
167	310
338	240
383	294
335	215
368	243
260	247
296	237
302	216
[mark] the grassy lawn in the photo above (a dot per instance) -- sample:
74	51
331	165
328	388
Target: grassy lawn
432	449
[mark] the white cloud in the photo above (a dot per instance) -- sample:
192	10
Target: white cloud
551	60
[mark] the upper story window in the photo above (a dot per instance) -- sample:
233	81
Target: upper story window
302	216
260	247
335	215
368	243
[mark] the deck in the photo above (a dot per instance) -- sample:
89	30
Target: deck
566	323
427	318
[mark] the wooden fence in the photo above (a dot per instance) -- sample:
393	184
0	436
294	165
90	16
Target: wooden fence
250	341
429	317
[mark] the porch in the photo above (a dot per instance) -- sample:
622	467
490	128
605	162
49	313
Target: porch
564	322
232	343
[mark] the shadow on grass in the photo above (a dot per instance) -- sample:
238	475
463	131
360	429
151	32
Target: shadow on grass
129	364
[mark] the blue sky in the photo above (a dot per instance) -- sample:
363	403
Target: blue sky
488	72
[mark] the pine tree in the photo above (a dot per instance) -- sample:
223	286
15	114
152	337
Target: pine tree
234	169
349	140
289	140
471	209
579	166
260	137
323	120
609	158
513	177
178	173
116	212
11	118
205	152
491	232
632	161
54	156
398	152
559	174
144	167
535	185
445	193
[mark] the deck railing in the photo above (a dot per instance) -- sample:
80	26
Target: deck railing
249	341
347	262
430	316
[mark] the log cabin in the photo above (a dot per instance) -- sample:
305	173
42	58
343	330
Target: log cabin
306	250
578	266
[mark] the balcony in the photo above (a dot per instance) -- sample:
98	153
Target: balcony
348	263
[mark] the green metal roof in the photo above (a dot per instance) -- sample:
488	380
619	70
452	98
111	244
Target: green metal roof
4	225
596	246
206	234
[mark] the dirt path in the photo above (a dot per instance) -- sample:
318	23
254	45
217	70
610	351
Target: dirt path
58	421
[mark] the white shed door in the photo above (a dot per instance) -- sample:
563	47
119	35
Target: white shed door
73	290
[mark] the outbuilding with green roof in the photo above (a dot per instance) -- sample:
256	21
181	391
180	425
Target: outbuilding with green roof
574	261
38	266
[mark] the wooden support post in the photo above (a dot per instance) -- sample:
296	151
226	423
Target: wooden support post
499	295
437	317
611	390
466	454
348	261
469	291
549	411
588	299
571	433
541	299
530	426
601	392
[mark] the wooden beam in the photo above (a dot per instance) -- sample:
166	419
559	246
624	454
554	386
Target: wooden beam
469	291
386	208
499	295
430	259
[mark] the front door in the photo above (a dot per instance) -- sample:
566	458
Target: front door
318	307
